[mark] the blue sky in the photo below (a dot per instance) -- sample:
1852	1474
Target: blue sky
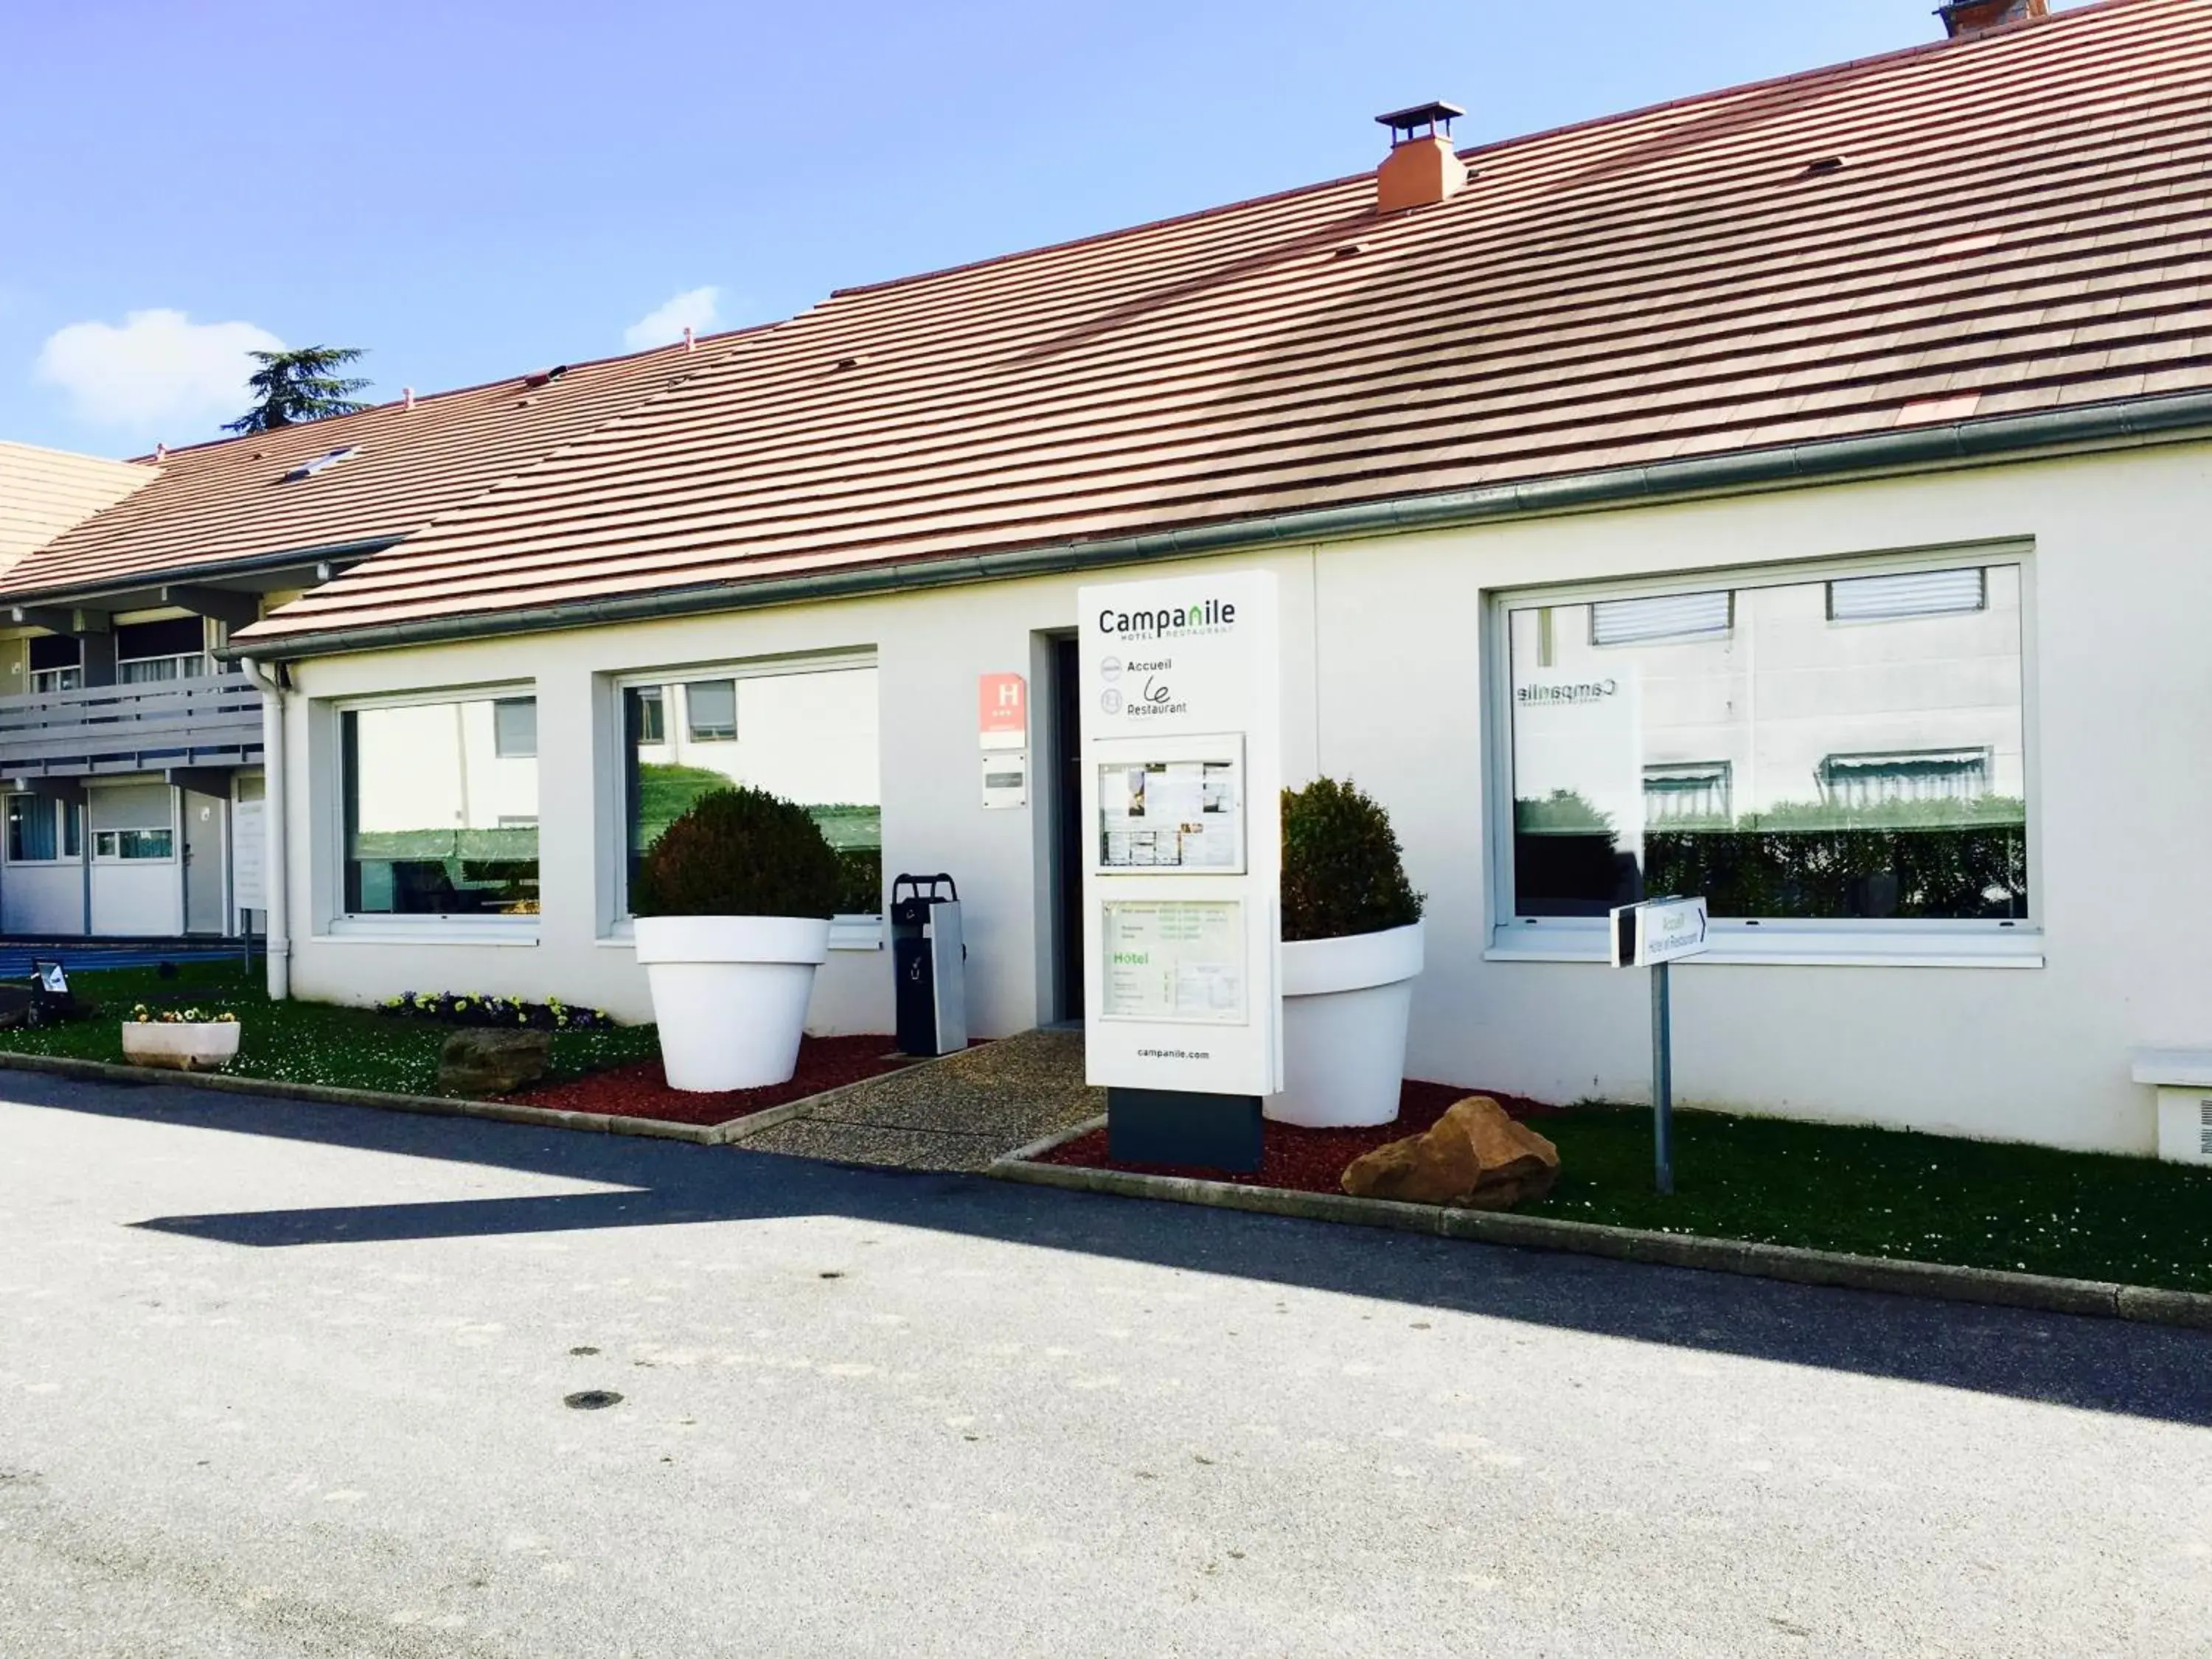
475	188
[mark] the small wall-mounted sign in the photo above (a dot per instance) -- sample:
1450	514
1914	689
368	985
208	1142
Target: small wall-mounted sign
1006	778
1002	703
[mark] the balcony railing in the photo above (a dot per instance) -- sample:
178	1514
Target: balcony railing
211	721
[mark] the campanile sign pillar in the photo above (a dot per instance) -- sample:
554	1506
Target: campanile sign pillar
1182	778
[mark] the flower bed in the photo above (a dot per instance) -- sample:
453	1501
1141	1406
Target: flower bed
643	1091
1884	1193
1309	1160
472	1008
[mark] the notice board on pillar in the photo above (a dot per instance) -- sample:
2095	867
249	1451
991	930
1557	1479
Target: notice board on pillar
1181	682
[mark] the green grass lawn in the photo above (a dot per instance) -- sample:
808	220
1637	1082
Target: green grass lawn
299	1042
1877	1192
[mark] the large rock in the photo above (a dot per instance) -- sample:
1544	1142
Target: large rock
1475	1157
479	1062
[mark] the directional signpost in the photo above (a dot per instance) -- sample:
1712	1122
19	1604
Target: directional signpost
1651	935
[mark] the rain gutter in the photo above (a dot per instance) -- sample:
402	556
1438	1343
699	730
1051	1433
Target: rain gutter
182	575
1964	443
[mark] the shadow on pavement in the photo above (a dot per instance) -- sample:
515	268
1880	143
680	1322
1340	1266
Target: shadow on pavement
2090	1365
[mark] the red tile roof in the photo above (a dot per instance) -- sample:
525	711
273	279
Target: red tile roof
228	503
2020	221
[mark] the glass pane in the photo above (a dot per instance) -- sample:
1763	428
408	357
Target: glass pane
514	727
30	828
711	707
143	843
438	821
1798	763
72	830
809	737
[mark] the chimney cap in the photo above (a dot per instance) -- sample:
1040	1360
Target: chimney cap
1420	121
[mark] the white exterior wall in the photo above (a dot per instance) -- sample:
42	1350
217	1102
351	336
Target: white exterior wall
1384	681
42	898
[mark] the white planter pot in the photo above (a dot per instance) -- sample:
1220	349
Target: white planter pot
730	995
198	1047
1346	1004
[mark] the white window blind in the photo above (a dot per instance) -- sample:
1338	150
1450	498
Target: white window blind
1670	617
1915	593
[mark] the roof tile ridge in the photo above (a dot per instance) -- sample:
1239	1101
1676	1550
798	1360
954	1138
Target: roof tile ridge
1493	147
424	398
74	454
731	341
1795	77
1196	214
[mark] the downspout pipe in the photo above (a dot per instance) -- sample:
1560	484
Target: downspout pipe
275	876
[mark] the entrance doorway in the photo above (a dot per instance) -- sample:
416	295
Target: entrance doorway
203	907
1065	791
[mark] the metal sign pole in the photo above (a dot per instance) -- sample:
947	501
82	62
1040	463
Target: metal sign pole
1662	1081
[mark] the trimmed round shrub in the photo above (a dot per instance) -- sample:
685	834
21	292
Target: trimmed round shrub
1342	873
739	851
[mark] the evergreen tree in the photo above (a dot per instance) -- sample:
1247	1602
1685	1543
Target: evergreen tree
293	386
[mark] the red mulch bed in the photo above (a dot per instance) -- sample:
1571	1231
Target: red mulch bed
643	1091
1309	1160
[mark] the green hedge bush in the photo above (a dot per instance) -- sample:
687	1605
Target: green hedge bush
1342	872
739	851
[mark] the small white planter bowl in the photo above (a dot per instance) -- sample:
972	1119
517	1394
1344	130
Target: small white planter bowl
730	995
195	1048
1346	1003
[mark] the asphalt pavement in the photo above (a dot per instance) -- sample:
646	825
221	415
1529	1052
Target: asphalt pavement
284	1379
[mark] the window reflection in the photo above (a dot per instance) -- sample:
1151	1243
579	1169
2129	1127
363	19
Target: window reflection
442	809
809	737
1816	749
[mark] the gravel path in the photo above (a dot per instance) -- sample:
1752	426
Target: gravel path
956	1114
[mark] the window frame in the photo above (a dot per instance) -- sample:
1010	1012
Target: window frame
1777	941
846	932
340	924
64	813
173	829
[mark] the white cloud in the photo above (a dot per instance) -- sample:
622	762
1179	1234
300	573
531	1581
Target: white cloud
159	365
694	308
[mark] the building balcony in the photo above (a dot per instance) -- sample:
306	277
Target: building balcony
209	723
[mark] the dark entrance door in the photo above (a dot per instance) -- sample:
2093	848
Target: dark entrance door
1066	785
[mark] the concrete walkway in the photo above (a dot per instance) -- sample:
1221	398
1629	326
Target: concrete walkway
956	1114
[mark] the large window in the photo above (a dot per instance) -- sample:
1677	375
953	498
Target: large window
134	824
440	815
1791	748
44	830
172	650
806	734
57	663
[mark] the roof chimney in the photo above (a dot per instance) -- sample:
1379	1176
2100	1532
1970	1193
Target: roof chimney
1420	169
1964	19
407	396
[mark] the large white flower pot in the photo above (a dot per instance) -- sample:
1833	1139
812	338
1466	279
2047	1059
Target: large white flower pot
201	1046
730	995
1345	1006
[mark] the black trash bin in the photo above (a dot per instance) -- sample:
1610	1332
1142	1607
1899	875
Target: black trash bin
927	957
